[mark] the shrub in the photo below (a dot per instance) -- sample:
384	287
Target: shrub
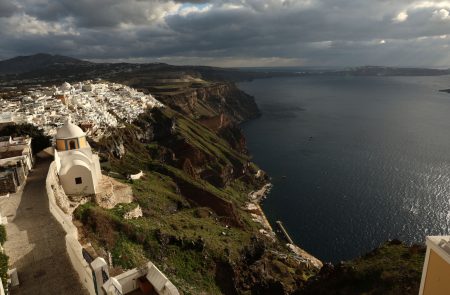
2	234
4	268
128	254
82	211
104	226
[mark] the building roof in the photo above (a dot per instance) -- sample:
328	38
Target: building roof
6	139
69	130
70	163
14	150
10	153
441	242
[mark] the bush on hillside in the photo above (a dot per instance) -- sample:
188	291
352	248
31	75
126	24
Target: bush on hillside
4	268
2	234
3	257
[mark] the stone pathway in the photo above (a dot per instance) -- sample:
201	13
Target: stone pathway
36	242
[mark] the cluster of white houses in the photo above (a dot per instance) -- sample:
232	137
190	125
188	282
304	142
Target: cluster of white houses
94	106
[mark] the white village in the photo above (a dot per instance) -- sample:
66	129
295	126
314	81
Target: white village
37	207
94	106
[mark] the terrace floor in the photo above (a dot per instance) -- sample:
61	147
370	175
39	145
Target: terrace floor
36	241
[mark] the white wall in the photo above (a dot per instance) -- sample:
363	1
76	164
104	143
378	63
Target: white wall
68	181
98	170
2	291
80	265
73	247
137	176
57	160
128	280
78	163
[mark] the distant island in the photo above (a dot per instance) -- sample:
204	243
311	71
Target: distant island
47	68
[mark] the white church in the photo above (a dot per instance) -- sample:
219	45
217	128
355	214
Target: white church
77	167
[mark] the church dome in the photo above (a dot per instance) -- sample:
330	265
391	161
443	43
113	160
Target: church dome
69	130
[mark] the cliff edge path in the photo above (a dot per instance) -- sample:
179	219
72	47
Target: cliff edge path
36	242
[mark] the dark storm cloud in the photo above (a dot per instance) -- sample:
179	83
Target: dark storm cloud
330	32
98	13
7	8
192	1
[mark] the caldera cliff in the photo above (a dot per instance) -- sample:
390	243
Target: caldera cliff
197	225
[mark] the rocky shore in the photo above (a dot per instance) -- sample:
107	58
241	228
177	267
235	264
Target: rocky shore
257	213
259	216
261	194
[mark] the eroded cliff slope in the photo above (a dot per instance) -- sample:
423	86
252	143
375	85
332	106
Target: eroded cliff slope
195	225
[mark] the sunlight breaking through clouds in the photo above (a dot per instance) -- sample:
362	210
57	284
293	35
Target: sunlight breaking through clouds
401	17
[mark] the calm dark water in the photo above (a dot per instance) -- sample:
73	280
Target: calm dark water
365	159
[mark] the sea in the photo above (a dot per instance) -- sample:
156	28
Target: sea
354	161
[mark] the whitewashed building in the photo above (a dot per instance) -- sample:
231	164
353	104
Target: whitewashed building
77	167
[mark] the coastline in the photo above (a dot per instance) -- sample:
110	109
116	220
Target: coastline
254	207
258	215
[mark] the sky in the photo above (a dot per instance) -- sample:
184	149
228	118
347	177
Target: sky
234	33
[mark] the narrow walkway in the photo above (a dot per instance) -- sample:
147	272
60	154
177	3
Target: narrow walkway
36	242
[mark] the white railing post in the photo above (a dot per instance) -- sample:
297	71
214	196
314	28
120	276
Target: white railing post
100	270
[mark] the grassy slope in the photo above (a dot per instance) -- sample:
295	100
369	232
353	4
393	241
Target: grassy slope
184	241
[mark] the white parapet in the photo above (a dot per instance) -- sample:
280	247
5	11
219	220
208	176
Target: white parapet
3	219
156	277
73	246
129	280
13	276
161	283
113	287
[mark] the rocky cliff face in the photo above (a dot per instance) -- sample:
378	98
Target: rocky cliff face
391	269
216	157
169	139
198	176
205	176
220	98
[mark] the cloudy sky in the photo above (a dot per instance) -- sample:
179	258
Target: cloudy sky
232	33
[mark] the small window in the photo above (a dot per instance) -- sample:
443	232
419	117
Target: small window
78	180
72	145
